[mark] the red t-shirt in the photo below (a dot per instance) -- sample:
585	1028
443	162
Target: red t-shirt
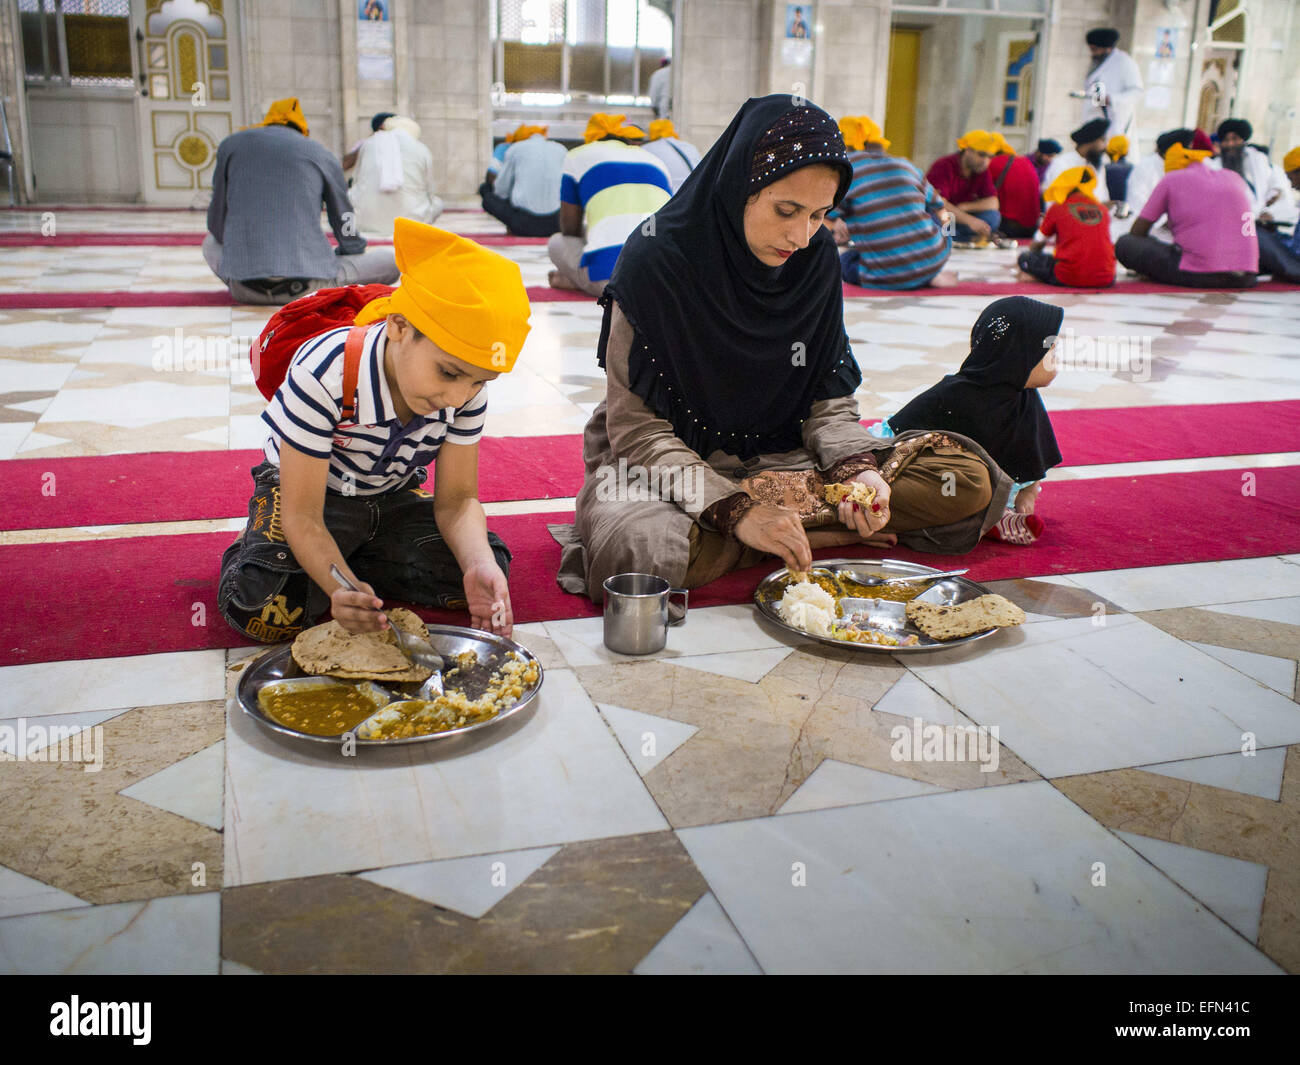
1085	256
950	183
1018	194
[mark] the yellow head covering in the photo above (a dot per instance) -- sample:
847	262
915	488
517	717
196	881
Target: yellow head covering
1178	157
1291	161
1080	177
286	112
1004	145
468	300
524	131
602	125
979	140
661	127
858	131
1117	147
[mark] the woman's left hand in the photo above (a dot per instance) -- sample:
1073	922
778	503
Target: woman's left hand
869	520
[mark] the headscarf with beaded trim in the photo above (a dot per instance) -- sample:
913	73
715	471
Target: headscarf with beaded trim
731	352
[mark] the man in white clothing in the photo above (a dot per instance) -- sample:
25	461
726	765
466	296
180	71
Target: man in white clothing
394	178
1113	88
660	89
1270	191
1089	146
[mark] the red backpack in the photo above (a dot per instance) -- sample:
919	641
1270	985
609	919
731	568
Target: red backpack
309	316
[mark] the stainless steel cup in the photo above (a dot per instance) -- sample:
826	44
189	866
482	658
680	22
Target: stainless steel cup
637	613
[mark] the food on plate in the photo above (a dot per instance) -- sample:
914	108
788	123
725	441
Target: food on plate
854	492
465	661
964	619
319	708
853	634
329	650
898	593
808	606
454	709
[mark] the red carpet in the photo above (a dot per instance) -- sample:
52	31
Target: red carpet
1035	288
142	595
15	301
124	489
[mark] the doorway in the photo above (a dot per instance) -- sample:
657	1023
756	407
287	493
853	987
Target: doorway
900	100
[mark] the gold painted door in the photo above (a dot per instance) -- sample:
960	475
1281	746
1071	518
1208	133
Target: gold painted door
900	99
187	80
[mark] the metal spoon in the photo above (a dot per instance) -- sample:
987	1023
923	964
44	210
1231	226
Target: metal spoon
875	581
416	651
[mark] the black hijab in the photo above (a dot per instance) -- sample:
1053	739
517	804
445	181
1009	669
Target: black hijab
987	400
731	352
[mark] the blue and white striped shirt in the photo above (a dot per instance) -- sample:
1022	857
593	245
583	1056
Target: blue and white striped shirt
376	453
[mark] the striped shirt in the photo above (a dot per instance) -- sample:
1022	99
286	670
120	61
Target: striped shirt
618	186
892	215
376	453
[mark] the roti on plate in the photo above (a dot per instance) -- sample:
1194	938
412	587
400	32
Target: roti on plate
329	650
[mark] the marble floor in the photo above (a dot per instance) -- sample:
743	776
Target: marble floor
741	802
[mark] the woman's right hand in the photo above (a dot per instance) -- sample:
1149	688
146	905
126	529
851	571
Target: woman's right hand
358	611
778	531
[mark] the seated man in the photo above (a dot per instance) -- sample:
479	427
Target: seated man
1084	257
1279	255
890	221
377	121
964	182
1117	171
1212	248
609	187
1043	155
1089	146
526	193
1270	192
1149	171
1016	181
394	178
679	156
264	236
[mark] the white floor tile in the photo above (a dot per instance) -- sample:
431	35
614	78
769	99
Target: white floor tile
1194	584
190	787
37	731
1256	774
1276	673
1069	697
234	968
471	886
752	666
47	688
703	943
841	784
989	880
555	776
1232	888
1285	610
179	934
912	697
647	739
21	894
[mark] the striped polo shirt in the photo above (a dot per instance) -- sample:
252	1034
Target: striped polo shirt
891	212
376	453
618	186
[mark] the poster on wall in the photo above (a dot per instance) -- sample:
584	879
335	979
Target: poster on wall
1166	42
374	41
796	48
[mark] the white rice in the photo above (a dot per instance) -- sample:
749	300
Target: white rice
809	607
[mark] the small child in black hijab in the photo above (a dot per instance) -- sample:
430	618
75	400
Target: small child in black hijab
993	398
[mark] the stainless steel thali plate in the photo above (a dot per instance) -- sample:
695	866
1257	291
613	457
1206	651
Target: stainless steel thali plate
447	640
945	592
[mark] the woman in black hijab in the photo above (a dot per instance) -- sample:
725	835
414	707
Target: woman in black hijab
731	380
993	397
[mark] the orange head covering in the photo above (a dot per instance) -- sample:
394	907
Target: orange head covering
1291	161
602	125
1004	145
979	140
858	131
661	127
1117	147
467	299
1080	177
1178	157
524	131
286	112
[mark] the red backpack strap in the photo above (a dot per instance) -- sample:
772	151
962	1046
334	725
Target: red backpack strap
352	350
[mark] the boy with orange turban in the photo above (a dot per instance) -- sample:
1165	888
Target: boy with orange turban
1084	255
346	491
